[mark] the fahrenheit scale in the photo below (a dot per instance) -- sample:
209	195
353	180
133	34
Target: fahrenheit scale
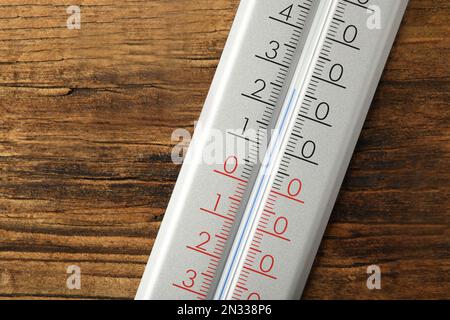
274	140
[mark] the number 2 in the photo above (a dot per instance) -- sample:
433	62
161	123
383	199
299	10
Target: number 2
208	238
263	86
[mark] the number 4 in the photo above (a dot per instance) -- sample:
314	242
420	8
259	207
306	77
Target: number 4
287	12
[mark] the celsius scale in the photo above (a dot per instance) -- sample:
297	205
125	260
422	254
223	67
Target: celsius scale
273	143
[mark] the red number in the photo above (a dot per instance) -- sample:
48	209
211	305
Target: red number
232	162
208	238
294	187
254	296
217	201
192	275
280	226
266	264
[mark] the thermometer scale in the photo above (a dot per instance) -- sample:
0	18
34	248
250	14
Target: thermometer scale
273	143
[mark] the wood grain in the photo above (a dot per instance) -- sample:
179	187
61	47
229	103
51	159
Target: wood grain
86	118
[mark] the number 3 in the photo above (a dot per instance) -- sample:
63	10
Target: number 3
192	274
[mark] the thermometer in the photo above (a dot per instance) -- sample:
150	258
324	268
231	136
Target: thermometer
273	143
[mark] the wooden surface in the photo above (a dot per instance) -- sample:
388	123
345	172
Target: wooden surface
86	118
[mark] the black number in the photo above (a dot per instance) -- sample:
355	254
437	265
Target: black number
322	111
287	12
274	50
350	34
245	125
308	150
263	86
336	72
